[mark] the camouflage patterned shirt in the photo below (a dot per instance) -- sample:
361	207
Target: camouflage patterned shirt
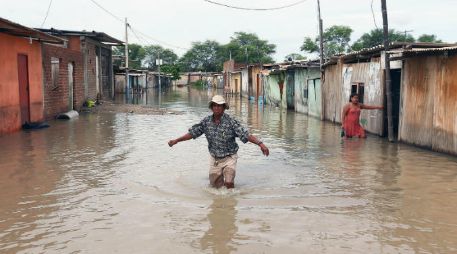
221	137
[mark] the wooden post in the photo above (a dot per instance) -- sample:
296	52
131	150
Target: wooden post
390	129
321	53
127	88
321	39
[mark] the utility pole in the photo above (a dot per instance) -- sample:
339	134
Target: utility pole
390	129
321	42
159	62
127	88
160	82
321	53
406	33
246	52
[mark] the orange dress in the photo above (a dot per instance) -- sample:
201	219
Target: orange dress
351	125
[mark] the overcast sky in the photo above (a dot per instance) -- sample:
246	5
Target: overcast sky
180	22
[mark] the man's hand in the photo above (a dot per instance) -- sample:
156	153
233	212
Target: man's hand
264	149
172	142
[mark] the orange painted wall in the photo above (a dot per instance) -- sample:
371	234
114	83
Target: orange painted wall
10	47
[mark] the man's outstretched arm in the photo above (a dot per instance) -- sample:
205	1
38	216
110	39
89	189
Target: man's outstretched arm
185	137
263	147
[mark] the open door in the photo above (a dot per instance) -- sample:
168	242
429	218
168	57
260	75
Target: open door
395	76
290	89
71	94
97	76
24	97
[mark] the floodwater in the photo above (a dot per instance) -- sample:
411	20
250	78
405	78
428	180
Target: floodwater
109	183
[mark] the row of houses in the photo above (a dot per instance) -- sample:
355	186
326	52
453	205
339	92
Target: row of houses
423	81
139	80
44	72
210	79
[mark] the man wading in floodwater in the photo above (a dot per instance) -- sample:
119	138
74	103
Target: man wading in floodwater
221	130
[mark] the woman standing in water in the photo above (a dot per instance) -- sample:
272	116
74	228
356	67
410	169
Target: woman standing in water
351	116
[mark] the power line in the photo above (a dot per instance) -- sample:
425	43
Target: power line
47	13
110	13
374	18
157	40
137	31
255	9
138	37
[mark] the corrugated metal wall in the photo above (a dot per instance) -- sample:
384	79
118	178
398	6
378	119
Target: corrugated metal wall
308	91
301	90
332	91
339	79
272	92
370	74
314	98
429	103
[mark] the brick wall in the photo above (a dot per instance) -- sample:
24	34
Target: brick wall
56	97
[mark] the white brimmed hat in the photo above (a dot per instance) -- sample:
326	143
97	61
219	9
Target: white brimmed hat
218	99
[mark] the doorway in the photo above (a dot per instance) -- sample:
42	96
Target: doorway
71	87
24	89
395	76
290	89
97	76
257	87
236	86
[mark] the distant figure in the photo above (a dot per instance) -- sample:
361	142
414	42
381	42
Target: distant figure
221	130
350	118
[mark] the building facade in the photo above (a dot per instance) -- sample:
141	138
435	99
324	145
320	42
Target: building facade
21	75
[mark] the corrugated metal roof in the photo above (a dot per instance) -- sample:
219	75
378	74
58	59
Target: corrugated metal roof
394	47
15	29
429	50
98	36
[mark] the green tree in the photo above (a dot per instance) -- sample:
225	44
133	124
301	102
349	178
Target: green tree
294	56
248	48
376	37
172	69
152	52
202	56
118	56
136	56
429	38
336	41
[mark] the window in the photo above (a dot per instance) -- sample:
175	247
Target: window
353	89
54	72
358	88
361	92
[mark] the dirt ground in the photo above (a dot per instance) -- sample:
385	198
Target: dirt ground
110	107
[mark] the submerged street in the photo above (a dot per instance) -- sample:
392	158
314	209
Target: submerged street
108	182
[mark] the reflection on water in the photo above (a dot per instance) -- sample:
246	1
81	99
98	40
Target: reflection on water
222	219
109	183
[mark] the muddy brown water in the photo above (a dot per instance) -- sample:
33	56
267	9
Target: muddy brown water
108	183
